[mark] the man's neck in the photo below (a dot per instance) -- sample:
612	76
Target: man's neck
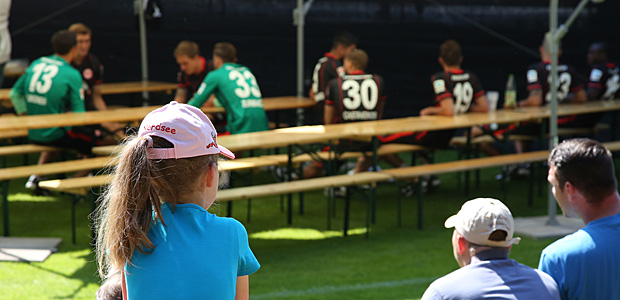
65	57
608	207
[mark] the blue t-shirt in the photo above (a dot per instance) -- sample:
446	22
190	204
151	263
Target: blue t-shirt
197	255
492	275
586	264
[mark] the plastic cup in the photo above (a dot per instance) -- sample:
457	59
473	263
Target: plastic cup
492	98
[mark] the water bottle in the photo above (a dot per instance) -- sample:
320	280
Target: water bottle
510	95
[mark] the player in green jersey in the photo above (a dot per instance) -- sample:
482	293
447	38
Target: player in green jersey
52	86
236	89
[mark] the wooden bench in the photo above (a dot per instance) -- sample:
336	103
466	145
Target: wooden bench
83	185
415	172
461	141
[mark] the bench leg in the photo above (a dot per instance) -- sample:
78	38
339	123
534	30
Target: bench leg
5	206
229	208
290	178
347	206
249	209
330	198
399	214
420	198
530	193
74	202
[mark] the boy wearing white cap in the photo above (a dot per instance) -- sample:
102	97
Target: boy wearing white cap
154	226
482	238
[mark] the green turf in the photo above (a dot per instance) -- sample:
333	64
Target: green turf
302	261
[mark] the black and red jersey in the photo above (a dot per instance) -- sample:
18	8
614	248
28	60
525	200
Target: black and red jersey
538	79
192	82
356	97
326	69
461	86
91	70
605	79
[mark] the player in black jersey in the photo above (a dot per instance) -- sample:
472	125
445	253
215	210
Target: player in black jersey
327	68
91	70
90	67
570	90
570	87
193	70
604	79
456	92
603	82
354	97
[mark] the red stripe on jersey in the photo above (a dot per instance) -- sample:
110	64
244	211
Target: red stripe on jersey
329	55
358	72
610	65
534	87
478	94
443	97
80	136
456	71
420	135
595	85
381	98
576	89
392	137
322	78
502	131
329	102
568	119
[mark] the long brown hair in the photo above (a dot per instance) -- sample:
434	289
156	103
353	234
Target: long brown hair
134	198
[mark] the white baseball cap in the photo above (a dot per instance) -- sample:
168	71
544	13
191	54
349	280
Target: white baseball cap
478	218
186	127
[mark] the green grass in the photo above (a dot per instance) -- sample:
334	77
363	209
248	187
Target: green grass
302	261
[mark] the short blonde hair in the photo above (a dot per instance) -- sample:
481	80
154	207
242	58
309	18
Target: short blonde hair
358	58
80	28
187	48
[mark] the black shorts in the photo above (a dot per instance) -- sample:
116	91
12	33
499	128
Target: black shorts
74	139
345	145
524	128
433	139
580	121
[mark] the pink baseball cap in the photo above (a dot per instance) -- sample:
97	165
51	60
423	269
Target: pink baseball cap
186	127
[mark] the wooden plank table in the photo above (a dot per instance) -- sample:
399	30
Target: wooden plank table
543	112
425	123
123	115
110	88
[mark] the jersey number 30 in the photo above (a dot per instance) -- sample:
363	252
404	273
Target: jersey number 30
246	84
366	94
41	80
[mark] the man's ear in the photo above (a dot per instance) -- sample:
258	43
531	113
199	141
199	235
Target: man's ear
463	244
440	60
569	188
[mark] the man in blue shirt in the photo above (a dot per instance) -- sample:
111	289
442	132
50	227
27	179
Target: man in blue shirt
482	238
585	264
